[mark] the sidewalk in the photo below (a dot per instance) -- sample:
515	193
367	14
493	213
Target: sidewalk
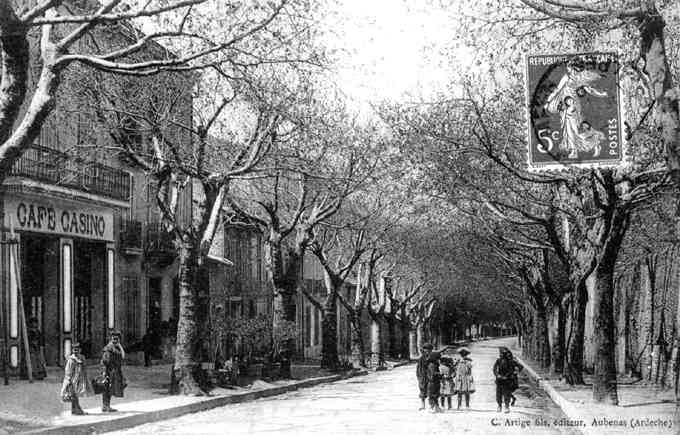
36	408
643	409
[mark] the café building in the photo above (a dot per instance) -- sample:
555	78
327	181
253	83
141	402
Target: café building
58	257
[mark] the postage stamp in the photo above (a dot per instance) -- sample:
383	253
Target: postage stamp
574	111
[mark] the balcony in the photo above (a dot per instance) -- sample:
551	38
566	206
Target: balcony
159	247
130	236
58	168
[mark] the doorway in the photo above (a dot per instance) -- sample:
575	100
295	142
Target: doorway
89	300
155	296
39	260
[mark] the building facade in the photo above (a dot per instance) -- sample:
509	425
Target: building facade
82	249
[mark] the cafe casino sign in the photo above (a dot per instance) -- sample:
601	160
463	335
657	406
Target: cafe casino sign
573	111
59	219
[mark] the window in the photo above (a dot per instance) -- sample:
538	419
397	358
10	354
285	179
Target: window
308	325
130	326
131	131
244	250
261	307
316	327
254	256
235	307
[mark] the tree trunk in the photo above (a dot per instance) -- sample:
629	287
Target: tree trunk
574	369
413	344
519	336
284	311
604	380
187	365
377	355
285	278
14	57
391	337
420	336
542	339
557	360
651	280
653	51
404	349
329	333
358	350
604	329
284	306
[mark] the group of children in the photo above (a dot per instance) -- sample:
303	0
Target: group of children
439	378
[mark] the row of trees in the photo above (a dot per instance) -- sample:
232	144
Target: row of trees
548	237
227	105
434	196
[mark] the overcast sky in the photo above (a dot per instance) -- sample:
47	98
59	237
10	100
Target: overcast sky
393	47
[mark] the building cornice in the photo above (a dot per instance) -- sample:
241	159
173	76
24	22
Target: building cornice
28	186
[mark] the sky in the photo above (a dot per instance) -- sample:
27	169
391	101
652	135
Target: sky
392	48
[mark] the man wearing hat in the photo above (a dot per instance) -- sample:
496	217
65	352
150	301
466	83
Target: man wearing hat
421	372
505	370
113	355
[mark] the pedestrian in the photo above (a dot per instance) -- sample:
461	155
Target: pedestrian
421	372
433	381
463	382
150	344
514	381
446	369
113	355
36	345
75	380
505	370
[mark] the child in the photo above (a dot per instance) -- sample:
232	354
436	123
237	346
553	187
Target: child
446	369
463	383
421	372
433	384
75	380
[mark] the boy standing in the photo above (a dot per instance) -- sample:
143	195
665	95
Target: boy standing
421	372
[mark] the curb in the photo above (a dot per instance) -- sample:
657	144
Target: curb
567	407
129	421
401	364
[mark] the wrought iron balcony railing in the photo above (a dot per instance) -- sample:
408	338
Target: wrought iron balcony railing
159	246
158	240
130	234
55	167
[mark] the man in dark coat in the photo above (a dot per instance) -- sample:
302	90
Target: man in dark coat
151	344
421	372
112	362
433	381
505	370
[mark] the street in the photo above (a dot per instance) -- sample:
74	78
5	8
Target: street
383	402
